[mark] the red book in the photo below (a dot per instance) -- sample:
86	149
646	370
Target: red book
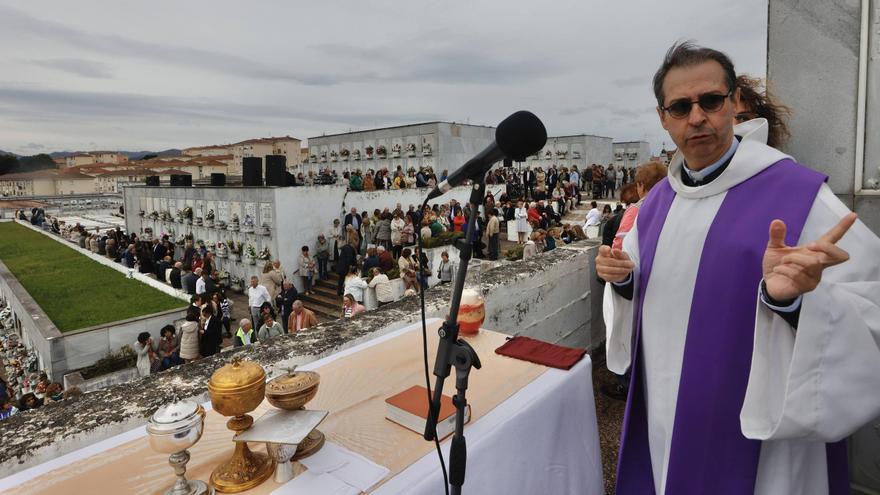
410	410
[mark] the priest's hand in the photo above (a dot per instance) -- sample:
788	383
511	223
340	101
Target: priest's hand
613	265
793	271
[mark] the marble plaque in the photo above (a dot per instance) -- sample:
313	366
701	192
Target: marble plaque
265	214
223	211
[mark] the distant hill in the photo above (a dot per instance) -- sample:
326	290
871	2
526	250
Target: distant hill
7	153
132	155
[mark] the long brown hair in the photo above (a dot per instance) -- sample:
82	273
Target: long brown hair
760	102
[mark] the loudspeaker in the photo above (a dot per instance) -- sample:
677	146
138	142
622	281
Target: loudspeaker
152	180
276	165
508	162
218	179
182	180
289	179
252	171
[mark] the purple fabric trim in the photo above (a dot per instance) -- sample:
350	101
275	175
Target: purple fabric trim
709	454
634	472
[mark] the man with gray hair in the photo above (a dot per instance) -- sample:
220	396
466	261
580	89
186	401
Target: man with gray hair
245	333
746	306
257	295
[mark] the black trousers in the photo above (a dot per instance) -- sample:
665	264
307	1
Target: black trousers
493	247
340	283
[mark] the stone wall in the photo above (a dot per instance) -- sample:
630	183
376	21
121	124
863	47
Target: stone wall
815	57
562	313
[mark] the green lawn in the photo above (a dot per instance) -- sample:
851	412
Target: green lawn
74	291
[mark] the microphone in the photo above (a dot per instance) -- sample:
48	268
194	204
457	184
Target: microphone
516	137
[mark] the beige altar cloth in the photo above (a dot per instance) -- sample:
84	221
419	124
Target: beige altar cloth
353	388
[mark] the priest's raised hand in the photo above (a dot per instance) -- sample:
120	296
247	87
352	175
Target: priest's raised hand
789	271
613	265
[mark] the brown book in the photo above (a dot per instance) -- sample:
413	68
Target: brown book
410	410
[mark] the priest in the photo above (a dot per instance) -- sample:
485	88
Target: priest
746	305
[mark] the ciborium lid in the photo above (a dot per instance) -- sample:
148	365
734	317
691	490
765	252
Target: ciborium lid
236	375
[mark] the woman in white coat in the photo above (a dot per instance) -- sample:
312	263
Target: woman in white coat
522	222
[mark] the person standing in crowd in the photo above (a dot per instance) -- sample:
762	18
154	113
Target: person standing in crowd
272	278
306	270
347	259
396	239
492	233
211	334
145	356
301	318
270	328
322	256
285	300
335	237
201	288
245	333
446	269
189	335
355	285
224	306
530	249
257	295
350	307
190	279
522	221
353	219
407	267
169	348
175	277
384	231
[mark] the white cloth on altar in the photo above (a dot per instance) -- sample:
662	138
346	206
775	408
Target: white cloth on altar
805	388
543	439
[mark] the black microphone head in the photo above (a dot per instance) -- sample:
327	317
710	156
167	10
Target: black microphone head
520	135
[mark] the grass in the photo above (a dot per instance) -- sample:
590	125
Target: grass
74	291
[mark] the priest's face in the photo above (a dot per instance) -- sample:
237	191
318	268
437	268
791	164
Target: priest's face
704	134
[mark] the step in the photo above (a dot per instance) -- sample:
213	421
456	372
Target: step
326	291
321	299
320	309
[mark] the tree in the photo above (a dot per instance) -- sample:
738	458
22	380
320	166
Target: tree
36	162
149	157
8	163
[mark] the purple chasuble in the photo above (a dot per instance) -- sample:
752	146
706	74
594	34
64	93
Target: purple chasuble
708	452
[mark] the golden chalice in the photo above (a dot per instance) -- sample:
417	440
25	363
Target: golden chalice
237	389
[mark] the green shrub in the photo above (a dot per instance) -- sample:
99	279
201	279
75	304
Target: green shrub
393	273
442	239
125	358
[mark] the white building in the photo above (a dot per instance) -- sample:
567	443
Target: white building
439	145
579	150
631	153
260	147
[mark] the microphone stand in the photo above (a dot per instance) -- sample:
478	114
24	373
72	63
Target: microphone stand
451	351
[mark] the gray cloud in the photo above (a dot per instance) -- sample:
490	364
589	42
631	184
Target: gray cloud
641	81
76	66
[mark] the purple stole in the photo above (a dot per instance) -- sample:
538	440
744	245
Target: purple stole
709	453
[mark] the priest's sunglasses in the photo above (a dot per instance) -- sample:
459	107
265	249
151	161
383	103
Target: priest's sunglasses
709	103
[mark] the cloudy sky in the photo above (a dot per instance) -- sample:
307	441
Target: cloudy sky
154	75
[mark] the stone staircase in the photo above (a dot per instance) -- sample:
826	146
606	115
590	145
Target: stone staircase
324	302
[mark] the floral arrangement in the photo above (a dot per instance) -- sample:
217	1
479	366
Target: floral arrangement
181	240
210	215
334	156
561	153
313	158
265	254
344	152
234	218
576	154
154	214
250	251
369	152
141	213
548	154
426	149
323	156
248	221
188	212
411	149
381	152
356	155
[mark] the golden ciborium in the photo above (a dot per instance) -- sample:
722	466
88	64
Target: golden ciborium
292	392
237	389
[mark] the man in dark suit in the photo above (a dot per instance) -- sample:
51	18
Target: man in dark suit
162	266
211	336
347	259
353	219
159	251
285	300
552	179
189	281
174	278
529	181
